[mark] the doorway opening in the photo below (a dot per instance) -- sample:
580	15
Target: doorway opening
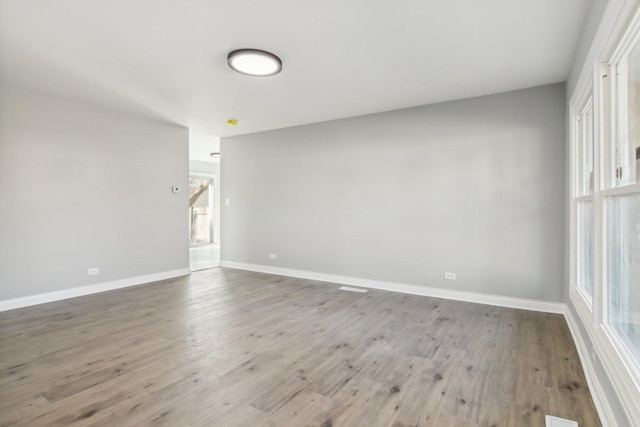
204	200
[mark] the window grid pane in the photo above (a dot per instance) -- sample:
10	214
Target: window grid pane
587	176
626	152
584	152
585	248
633	115
623	256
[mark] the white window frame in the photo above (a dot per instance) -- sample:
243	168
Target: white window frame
616	35
612	189
578	132
582	100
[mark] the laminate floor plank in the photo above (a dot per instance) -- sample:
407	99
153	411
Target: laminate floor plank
226	347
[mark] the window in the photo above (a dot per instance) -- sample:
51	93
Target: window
626	150
622	205
584	167
585	249
623	253
584	185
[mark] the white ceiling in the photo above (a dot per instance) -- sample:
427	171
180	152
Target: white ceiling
342	58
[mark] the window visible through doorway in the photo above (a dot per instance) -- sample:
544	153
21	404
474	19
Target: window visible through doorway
201	210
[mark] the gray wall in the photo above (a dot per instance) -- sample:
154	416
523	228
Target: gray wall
473	187
84	187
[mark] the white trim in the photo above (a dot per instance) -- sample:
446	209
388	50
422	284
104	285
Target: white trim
613	362
585	298
581	95
597	393
581	305
622	376
496	300
626	392
14	303
611	28
632	33
622	190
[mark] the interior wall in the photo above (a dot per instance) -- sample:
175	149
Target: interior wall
84	187
473	187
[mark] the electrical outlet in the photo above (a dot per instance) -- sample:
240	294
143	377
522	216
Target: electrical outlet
175	189
272	256
227	202
594	356
450	276
93	271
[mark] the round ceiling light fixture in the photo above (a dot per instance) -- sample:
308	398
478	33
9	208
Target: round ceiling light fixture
254	62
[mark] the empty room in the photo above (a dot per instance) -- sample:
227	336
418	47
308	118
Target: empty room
336	213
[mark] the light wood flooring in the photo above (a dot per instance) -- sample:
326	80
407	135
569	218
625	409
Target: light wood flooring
234	348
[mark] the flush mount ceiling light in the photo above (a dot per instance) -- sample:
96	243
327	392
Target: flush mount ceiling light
254	62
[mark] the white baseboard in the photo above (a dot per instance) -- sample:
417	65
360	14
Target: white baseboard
12	304
500	301
597	393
